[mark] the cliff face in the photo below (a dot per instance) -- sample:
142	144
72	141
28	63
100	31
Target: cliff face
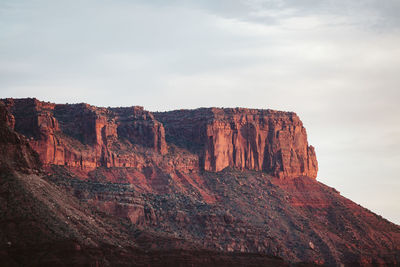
262	140
87	137
84	136
212	180
15	152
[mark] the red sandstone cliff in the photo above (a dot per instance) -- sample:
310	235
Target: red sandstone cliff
84	136
190	178
272	141
15	152
87	137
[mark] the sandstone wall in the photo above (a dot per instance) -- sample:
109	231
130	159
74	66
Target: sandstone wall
87	137
15	152
267	140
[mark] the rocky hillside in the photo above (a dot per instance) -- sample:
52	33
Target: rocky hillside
43	223
219	185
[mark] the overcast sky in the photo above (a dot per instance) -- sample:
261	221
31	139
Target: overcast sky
336	63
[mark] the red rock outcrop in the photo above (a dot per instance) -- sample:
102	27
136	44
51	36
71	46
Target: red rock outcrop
215	187
15	152
140	127
87	137
84	136
267	140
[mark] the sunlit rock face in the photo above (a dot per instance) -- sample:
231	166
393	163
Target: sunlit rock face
262	140
81	184
87	137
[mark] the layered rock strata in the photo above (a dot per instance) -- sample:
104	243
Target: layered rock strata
190	180
15	152
88	137
262	140
84	136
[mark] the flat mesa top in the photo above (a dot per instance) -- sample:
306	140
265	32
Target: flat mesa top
201	110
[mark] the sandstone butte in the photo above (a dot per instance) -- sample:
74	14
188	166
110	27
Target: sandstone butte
213	186
87	137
